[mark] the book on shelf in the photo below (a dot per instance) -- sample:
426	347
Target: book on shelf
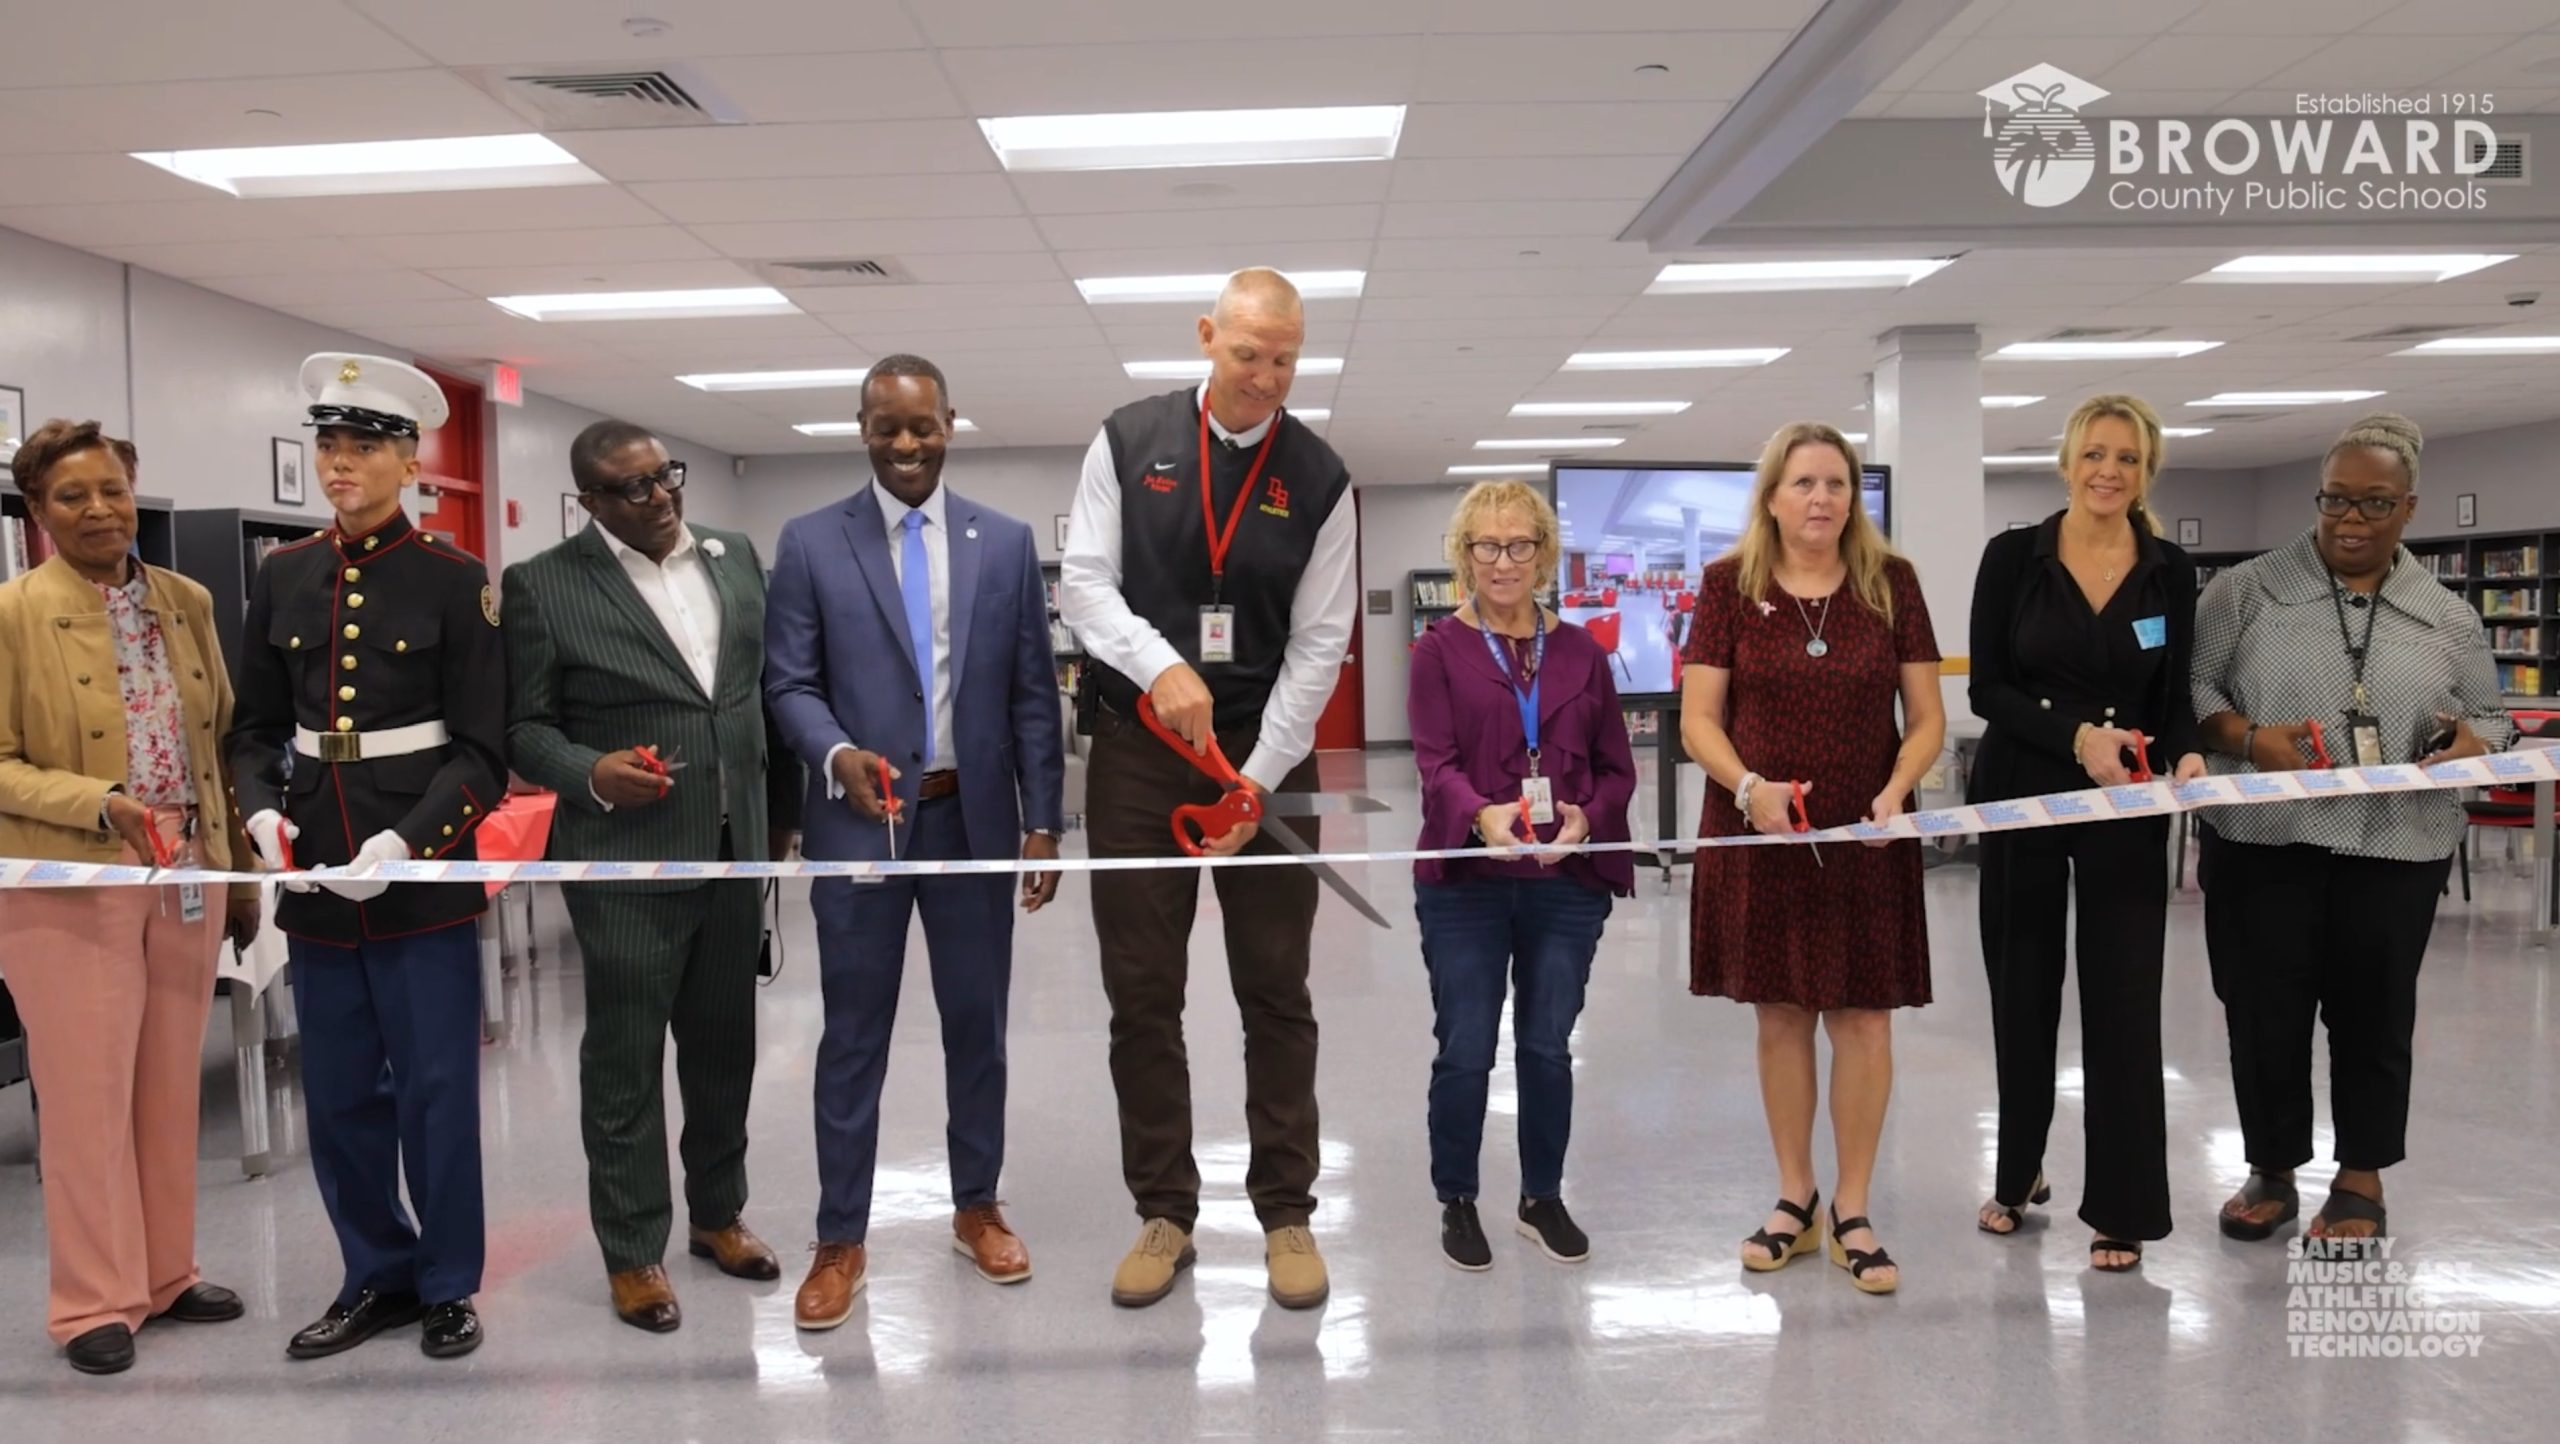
2520	679
2498	603
2511	639
2511	563
2445	566
1441	592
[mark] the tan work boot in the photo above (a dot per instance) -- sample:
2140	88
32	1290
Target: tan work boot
1297	1270
1160	1255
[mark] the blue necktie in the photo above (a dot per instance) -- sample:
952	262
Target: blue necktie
916	582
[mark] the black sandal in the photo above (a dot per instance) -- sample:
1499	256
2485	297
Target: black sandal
2098	1246
2261	1188
2344	1204
1861	1261
2016	1213
1783	1247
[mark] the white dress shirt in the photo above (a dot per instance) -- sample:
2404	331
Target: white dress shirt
681	596
1320	613
937	557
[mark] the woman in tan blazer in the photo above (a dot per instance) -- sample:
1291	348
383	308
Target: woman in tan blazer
113	704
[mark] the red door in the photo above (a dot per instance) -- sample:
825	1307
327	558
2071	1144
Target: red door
1344	724
449	468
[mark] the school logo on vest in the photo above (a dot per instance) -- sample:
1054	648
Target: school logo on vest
2042	154
1275	500
1159	476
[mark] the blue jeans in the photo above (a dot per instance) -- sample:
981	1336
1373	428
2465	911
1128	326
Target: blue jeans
1478	936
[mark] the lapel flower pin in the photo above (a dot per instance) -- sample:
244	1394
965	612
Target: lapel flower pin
1766	607
712	548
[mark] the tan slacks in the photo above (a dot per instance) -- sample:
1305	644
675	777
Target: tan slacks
114	986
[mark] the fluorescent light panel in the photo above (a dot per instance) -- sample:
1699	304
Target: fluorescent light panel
1524	470
1855	438
854	428
2346	270
2485	346
382	167
1144	139
2101	350
1673	360
2008	403
2175	432
1197	368
1600	408
2017	461
1691	279
1578	443
1121	290
805	380
648	305
2283	398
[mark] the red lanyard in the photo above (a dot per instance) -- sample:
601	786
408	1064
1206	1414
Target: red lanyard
1220	542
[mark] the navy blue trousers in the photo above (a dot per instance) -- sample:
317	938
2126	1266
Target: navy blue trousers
391	1086
862	955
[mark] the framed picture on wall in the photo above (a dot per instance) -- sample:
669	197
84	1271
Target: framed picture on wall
290	466
13	420
1059	526
572	515
2466	508
2190	531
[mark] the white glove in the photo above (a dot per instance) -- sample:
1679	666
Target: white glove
264	829
356	884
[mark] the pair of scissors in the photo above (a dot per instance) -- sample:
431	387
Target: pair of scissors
2140	771
2319	743
1239	804
666	766
1803	818
890	803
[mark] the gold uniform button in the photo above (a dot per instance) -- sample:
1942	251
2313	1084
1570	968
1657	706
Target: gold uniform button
346	724
371	542
348	662
427	852
448	829
346	694
466	810
352	574
400	646
296	642
353	631
354	600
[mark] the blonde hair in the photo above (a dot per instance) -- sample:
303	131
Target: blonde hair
1862	546
1488	499
2383	431
2137	413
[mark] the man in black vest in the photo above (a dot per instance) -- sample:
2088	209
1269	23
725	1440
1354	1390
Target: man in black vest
1209	565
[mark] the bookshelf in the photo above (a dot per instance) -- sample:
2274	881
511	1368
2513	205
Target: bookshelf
153	532
1066	651
2208	563
221	548
1433	594
2512	579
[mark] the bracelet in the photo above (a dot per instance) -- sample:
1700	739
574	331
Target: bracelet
2080	736
1742	792
2249	742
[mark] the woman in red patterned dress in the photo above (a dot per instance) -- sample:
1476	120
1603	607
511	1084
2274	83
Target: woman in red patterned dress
1806	635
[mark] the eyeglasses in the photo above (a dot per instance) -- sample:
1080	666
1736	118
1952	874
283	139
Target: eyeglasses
2373	508
1489	552
636	489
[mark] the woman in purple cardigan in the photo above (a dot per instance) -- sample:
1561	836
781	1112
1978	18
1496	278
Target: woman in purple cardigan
1523	751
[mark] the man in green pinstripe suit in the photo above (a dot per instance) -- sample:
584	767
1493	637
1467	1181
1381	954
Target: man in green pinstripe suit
637	648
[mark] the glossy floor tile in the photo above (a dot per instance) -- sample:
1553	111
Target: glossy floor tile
1660	1336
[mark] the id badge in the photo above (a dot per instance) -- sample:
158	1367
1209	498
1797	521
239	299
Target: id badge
1217	634
1538	800
190	902
2364	739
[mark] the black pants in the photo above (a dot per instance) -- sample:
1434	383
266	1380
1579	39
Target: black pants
2119	872
2296	931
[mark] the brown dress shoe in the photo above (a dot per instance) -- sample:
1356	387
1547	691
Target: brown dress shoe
644	1299
981	1234
736	1249
826	1295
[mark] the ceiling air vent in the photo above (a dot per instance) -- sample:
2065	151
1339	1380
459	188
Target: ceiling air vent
2101	333
2416	332
850	271
2511	166
2234	418
610	99
1621	427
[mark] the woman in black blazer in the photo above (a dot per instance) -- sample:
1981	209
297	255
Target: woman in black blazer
2083	628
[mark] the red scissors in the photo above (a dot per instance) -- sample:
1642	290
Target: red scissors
890	803
1803	818
2319	743
1239	804
2140	771
663	766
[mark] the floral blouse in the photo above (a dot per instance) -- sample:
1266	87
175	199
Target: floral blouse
156	766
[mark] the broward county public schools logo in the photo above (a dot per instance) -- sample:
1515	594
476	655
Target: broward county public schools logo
2041	152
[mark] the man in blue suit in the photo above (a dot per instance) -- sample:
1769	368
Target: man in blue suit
907	636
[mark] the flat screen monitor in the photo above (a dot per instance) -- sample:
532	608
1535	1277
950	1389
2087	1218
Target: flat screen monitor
1635	536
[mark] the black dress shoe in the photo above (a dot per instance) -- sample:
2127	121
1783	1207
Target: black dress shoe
452	1330
347	1325
106	1349
204	1304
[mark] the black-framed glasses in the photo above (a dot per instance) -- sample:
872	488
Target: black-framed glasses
635	490
1488	552
2372	508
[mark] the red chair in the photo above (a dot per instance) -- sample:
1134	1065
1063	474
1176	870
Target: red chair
1608	596
2502	806
1606	629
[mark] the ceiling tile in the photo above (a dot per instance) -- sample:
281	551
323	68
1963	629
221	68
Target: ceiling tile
712	273
958	23
794	86
1191	74
1517	130
608	245
819	198
1050	193
748	152
102	42
1413	219
2196	62
1581	178
174	115
1218	226
590	34
1716	66
914	242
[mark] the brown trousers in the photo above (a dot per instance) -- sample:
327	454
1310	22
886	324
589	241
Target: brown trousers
1142	919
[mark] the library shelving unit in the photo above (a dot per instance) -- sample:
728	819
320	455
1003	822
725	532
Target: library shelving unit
1434	594
154	536
1063	646
2512	580
222	546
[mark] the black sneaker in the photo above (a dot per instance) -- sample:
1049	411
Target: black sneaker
1545	1220
1462	1238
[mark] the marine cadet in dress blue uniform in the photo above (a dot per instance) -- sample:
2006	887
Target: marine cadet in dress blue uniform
371	728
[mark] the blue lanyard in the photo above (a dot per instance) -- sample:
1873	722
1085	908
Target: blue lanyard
1537	677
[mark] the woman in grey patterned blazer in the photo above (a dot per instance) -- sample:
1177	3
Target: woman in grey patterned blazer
2325	906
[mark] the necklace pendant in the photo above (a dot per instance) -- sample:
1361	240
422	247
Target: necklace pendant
1816	647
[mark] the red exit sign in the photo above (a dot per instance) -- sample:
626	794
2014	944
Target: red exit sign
506	386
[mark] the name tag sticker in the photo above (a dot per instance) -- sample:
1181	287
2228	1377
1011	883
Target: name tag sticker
2151	632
